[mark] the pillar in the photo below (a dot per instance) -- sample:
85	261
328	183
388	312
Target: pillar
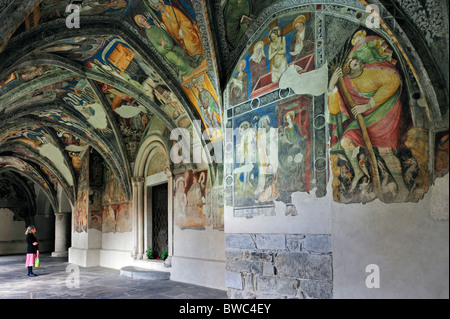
170	215
62	234
138	208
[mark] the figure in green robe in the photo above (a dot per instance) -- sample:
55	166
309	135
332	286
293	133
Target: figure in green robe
165	45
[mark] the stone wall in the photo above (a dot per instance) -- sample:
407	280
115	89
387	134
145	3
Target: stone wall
279	266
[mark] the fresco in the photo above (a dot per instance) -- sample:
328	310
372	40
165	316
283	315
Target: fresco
217	208
116	211
172	29
111	55
441	150
80	217
238	15
39	139
271	126
374	155
190	200
46	94
75	148
26	74
81	97
55	9
376	152
95	190
288	41
272	153
200	89
25	168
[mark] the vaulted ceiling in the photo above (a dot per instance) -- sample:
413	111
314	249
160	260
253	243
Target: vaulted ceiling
124	69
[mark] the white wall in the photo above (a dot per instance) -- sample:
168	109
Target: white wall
199	257
409	246
12	234
116	250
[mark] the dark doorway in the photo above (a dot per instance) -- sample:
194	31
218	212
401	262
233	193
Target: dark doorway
159	220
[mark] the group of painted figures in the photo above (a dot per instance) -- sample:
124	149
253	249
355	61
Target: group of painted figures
375	150
276	61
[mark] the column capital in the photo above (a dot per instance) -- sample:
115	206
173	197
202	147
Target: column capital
168	171
137	180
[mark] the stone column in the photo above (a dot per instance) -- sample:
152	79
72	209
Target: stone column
170	227
138	208
62	234
135	223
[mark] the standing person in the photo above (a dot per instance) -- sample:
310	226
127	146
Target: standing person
32	249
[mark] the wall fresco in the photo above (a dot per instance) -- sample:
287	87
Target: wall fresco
441	154
190	200
377	159
116	211
288	41
376	152
80	217
271	126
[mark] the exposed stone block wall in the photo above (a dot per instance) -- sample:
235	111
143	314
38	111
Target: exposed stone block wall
279	266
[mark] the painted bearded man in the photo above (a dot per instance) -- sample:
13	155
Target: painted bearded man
375	92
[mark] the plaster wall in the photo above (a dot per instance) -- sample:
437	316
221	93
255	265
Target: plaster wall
12	237
85	250
409	246
199	257
116	249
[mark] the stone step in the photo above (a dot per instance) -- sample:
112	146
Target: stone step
142	273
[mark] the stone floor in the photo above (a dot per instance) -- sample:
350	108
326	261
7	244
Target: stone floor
54	281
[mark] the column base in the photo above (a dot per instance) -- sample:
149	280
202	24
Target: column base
60	254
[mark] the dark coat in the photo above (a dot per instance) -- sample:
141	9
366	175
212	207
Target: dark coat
31	249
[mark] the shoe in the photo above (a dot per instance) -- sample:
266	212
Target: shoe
32	275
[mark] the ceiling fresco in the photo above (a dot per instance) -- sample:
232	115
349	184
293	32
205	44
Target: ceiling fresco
131	64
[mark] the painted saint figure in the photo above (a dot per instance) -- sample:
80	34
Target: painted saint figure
172	52
258	63
208	105
375	93
277	54
302	42
237	19
239	85
183	30
266	143
292	152
369	51
196	201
